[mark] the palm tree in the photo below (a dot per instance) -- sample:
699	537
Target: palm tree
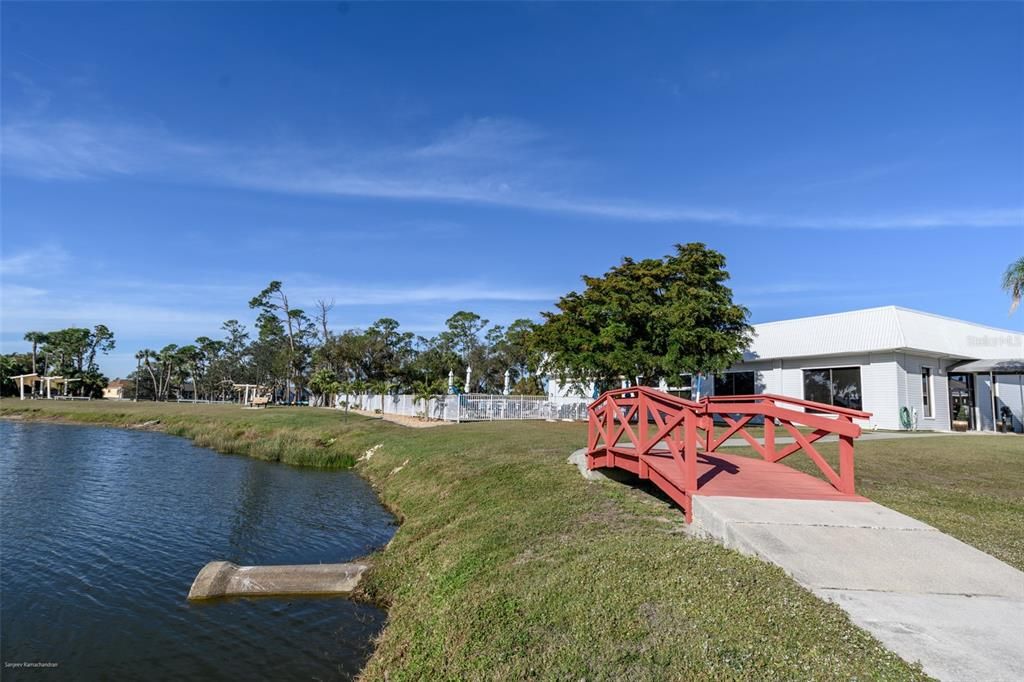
359	388
424	391
1013	282
324	384
139	356
35	338
148	355
382	387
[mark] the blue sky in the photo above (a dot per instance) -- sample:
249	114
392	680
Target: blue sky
163	162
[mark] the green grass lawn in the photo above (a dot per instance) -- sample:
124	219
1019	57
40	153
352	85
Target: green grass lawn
509	565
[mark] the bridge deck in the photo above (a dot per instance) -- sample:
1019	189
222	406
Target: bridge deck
737	476
726	475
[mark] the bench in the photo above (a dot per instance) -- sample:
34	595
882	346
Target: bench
260	401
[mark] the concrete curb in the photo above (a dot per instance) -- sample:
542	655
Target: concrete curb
579	460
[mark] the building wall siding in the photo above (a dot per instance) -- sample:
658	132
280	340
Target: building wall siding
889	381
1010	393
912	391
878	373
882	384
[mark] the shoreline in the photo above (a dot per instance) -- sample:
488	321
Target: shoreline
157	426
491	572
268	440
291	579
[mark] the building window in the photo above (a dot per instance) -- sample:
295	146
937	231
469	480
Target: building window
683	388
926	390
734	383
839	386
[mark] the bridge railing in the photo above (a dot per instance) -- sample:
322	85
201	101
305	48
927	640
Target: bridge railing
794	416
627	423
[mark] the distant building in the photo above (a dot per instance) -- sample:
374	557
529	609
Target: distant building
910	369
118	389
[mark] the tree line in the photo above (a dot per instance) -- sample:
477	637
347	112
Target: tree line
642	321
295	356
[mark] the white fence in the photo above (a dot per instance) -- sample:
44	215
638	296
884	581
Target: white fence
201	402
472	406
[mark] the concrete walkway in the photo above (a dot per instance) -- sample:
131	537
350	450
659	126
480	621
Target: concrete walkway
925	595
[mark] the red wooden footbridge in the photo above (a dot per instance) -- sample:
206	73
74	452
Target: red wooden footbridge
674	443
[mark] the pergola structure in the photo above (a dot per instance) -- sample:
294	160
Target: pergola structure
21	382
255	388
48	381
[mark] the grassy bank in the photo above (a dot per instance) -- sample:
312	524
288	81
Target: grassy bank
509	565
300	436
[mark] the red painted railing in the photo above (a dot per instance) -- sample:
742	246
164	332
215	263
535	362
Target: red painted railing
628	426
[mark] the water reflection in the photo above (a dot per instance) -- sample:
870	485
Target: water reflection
103	531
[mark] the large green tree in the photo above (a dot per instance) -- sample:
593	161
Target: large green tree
386	351
288	361
72	352
511	349
647	320
11	365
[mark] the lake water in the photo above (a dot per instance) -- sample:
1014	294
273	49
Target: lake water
103	530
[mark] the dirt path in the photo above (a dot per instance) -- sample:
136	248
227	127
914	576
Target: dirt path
411	422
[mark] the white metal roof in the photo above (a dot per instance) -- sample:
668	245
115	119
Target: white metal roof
997	366
883	329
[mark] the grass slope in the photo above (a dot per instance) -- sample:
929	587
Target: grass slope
509	565
294	435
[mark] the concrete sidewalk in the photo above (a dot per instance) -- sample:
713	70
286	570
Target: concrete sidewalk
925	595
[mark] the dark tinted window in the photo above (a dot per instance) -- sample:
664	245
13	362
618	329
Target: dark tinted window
836	386
926	390
846	387
734	383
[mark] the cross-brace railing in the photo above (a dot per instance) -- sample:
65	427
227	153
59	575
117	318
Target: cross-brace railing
628	425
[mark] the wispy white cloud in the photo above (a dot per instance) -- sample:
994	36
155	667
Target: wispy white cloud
54	310
181	310
483	138
976	218
495	162
154	313
47	259
304	291
466	291
76	150
17	292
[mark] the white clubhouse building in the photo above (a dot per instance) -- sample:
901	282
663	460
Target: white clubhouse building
884	359
910	369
